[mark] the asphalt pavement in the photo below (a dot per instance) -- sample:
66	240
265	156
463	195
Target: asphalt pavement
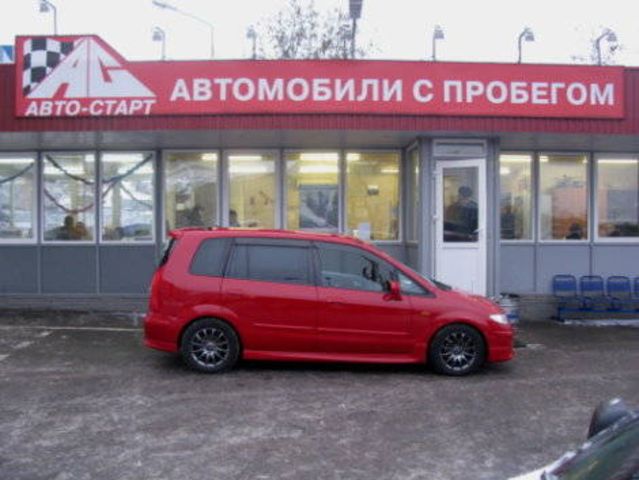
81	398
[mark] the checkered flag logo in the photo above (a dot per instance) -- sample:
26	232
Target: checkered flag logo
41	56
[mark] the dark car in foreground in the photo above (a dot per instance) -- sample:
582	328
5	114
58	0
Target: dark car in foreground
610	453
224	294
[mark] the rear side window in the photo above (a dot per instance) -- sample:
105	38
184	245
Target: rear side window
270	263
166	254
210	257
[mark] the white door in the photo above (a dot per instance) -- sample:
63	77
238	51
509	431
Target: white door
460	258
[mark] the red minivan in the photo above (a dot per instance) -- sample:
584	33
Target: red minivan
224	294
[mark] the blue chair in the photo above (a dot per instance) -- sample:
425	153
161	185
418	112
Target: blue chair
564	288
592	293
620	294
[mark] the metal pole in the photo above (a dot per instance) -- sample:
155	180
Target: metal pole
212	42
55	19
353	38
163	46
434	48
521	37
598	45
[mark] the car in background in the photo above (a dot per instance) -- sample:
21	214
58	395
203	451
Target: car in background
610	453
223	294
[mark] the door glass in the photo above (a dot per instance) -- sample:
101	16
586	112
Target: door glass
270	264
460	204
347	268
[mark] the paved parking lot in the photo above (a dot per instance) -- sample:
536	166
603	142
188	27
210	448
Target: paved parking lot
82	399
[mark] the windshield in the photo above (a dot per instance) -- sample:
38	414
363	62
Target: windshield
613	454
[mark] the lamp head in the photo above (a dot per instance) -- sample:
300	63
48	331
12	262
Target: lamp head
355	8
438	33
612	36
158	34
44	6
529	36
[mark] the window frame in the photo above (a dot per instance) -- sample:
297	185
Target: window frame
271	242
97	202
595	198
589	197
534	172
400	182
154	161
35	195
413	212
225	185
161	162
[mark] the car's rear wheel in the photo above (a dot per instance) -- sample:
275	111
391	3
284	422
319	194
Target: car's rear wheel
457	350
210	345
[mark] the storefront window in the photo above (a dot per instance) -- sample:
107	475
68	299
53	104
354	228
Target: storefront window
515	172
312	194
563	197
69	197
17	197
252	196
372	189
618	196
127	196
190	195
413	194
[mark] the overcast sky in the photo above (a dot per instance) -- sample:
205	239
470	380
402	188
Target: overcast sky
475	30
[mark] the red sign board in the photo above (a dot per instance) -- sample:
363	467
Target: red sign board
83	76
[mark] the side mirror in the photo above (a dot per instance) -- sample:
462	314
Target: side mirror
393	292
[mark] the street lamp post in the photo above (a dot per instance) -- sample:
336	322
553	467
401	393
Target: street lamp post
251	34
168	6
608	35
438	34
159	35
527	35
45	6
355	12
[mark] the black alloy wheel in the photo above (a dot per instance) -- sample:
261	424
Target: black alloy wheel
210	346
457	350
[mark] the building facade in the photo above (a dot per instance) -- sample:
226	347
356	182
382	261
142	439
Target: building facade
489	177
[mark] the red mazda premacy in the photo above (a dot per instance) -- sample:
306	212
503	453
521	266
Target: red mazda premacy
221	294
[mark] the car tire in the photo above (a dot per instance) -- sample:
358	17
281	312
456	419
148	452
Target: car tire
457	350
210	346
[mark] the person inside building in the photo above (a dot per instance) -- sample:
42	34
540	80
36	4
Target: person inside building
233	221
462	217
575	232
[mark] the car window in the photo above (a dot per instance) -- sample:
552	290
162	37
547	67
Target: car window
350	268
409	287
270	263
210	257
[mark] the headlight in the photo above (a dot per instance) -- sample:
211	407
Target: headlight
499	318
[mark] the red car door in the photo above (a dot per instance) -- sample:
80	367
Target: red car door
269	286
358	316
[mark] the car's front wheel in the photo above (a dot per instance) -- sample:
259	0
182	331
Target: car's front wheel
210	345
457	350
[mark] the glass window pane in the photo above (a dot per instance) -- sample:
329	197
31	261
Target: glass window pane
461	212
127	196
252	190
413	185
17	194
618	196
347	268
563	197
190	198
373	195
515	171
210	257
312	191
69	197
271	264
